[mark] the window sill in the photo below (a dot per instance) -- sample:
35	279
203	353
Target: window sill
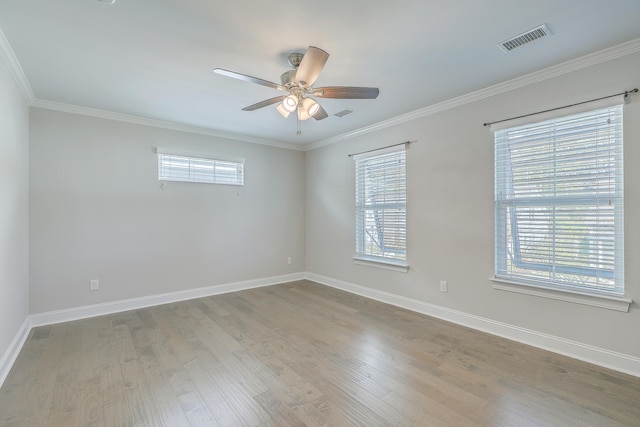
400	266
607	302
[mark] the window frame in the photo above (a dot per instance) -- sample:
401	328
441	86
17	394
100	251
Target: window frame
394	207
586	294
209	165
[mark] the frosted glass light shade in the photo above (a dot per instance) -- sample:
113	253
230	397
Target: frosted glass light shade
309	108
290	103
282	110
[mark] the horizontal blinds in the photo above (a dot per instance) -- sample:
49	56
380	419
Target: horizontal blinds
172	167
381	205
559	202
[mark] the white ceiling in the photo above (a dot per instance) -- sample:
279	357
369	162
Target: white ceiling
153	58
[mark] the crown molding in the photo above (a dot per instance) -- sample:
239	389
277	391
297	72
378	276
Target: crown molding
144	121
623	49
9	58
595	58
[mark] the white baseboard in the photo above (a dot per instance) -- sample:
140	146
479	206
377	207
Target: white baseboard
76	313
598	356
587	353
12	352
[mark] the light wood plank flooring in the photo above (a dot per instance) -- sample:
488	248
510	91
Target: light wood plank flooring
299	354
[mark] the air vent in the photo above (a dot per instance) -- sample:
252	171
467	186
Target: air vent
343	113
524	38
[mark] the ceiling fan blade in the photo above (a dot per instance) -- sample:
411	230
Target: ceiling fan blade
346	92
320	114
264	103
311	65
247	78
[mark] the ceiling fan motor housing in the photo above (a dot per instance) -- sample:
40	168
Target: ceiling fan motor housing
288	78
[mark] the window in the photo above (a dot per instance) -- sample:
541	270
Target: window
381	192
559	203
180	167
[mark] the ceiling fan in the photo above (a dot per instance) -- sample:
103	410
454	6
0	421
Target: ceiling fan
298	83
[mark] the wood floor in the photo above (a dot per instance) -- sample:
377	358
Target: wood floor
299	354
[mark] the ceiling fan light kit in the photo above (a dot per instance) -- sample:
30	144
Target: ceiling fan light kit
290	103
283	111
311	106
308	109
299	84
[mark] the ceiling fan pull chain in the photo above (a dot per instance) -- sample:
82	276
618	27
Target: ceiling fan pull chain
299	132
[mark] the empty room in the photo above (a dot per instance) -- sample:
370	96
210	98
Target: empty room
289	213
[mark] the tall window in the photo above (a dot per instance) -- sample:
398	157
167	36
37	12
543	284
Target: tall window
559	203
180	167
381	194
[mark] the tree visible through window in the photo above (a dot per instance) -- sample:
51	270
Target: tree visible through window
381	186
559	203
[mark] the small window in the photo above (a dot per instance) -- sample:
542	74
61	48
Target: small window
180	167
559	203
381	193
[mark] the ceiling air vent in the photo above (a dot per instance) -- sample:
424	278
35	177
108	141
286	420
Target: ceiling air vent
524	38
343	113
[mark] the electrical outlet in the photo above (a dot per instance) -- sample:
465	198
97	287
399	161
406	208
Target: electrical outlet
289	260
95	285
443	286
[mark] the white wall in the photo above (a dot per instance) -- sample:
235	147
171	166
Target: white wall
14	210
98	212
450	211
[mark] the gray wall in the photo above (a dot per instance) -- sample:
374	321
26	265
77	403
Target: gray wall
14	209
98	212
450	211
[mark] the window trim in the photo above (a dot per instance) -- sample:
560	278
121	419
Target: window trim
603	301
592	297
362	258
202	157
383	263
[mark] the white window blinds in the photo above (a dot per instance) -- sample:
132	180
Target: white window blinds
381	193
559	203
179	167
